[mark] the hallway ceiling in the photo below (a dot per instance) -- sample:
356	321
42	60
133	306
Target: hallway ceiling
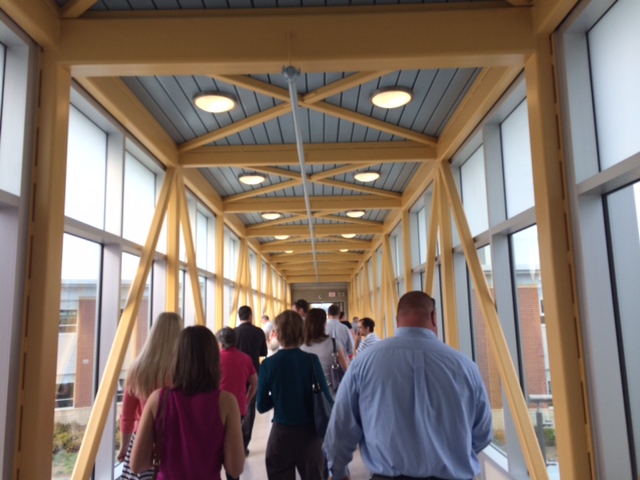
455	57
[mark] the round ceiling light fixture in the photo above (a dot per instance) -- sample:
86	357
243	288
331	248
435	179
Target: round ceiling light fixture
252	178
344	250
214	102
288	251
348	235
355	213
366	176
270	215
281	237
391	97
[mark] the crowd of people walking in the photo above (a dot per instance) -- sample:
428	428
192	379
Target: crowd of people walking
417	408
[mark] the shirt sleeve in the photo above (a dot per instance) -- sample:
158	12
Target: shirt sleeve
128	415
482	433
264	401
345	427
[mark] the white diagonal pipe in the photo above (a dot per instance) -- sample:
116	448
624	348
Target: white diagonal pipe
291	74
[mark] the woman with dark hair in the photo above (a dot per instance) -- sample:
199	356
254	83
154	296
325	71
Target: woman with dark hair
198	423
316	341
285	384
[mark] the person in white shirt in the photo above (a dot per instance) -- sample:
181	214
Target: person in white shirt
337	330
267	327
366	336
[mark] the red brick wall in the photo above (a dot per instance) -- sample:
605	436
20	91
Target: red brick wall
531	344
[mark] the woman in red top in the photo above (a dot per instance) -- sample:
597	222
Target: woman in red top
150	371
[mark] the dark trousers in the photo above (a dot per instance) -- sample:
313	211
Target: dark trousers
247	422
291	448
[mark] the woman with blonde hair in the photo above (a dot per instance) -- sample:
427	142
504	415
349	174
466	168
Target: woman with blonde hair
150	371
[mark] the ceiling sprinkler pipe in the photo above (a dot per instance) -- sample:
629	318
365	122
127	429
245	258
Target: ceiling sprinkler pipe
291	74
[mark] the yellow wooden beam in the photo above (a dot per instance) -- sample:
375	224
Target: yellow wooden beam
340	86
447	269
172	298
349	220
339	171
238	285
320	246
290	205
278	221
113	95
257	86
277	171
371	122
75	8
329	278
219	272
236	127
368	311
524	427
318	229
38	18
454	37
251	156
564	334
406	247
359	188
321	257
103	402
548	14
191	252
34	432
432	240
261	191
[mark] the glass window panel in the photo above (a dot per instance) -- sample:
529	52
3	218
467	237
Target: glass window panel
76	364
474	192
516	155
139	200
614	43
484	355
86	170
623	209
140	331
202	236
533	339
422	236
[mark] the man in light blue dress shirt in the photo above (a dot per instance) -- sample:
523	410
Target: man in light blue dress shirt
417	407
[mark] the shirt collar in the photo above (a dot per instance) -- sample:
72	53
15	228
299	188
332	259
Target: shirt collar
415	332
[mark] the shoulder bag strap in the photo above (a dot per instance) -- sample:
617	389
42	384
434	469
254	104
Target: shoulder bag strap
157	445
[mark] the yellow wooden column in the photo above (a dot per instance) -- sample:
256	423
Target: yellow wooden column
173	250
368	310
448	287
44	265
432	240
259	286
219	272
556	263
406	246
377	310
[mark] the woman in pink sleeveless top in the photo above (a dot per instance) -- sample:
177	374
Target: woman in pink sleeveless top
200	424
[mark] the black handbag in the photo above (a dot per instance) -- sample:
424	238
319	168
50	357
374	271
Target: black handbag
321	406
336	370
